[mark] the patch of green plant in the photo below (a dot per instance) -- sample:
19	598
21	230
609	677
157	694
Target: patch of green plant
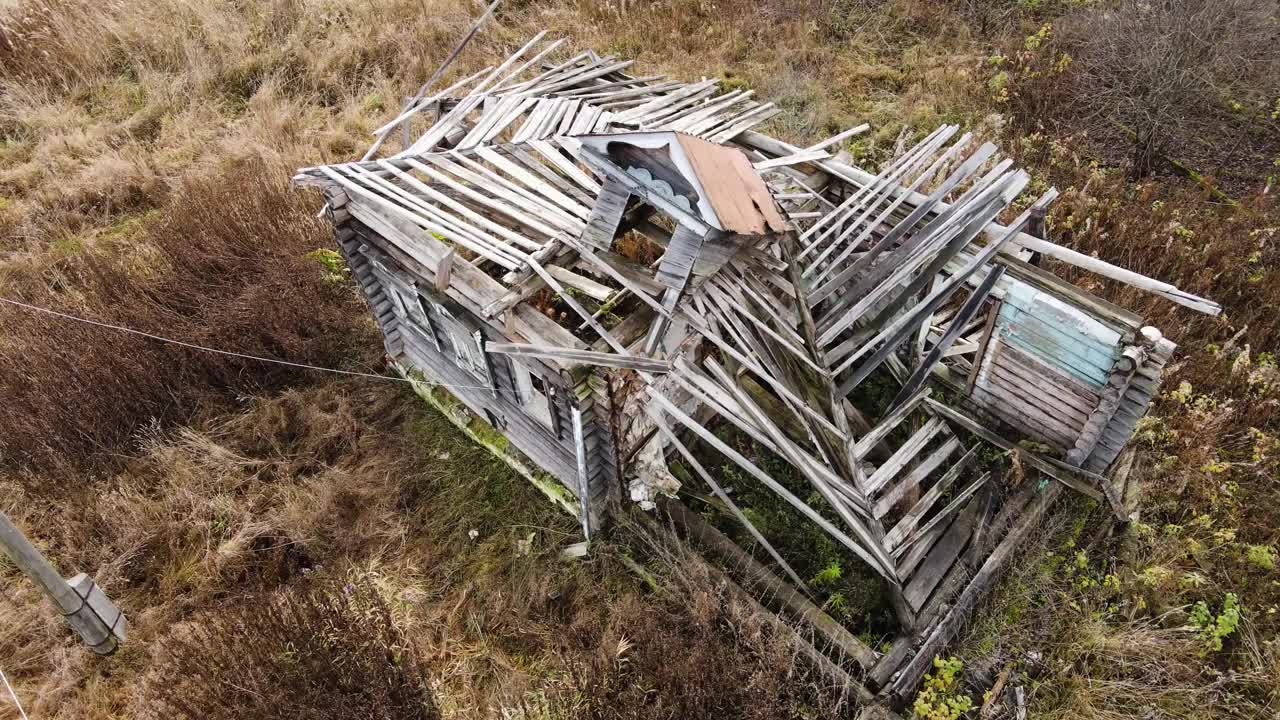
1215	628
1261	556
941	698
335	269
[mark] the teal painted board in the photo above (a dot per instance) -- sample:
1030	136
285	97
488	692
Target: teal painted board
1047	341
1060	335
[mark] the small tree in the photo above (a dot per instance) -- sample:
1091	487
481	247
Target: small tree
1165	72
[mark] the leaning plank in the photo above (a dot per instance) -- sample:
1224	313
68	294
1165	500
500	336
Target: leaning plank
936	563
584	496
1074	478
766	582
967	311
912	480
886	426
796	159
861	177
907	525
724	497
945	512
904	454
751	469
585	285
582	357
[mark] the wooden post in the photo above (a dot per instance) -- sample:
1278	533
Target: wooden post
86	608
584	486
1039	228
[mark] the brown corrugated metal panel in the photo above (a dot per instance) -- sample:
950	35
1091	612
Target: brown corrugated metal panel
738	196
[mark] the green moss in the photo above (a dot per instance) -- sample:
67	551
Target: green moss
67	245
729	82
490	438
373	102
334	269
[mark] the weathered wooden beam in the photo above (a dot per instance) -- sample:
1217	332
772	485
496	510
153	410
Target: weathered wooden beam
1074	478
580	357
967	311
861	178
719	492
791	602
908	679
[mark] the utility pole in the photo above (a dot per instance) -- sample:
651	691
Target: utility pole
86	608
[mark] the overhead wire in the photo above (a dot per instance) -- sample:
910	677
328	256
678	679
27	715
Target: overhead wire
230	353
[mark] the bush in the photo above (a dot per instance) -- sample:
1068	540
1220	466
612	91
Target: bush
323	653
1159	77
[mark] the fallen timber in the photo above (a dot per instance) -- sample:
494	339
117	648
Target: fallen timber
609	271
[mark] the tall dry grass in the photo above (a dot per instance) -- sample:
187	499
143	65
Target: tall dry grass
224	263
215	528
143	151
322	652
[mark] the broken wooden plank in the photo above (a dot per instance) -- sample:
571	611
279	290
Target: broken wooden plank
580	357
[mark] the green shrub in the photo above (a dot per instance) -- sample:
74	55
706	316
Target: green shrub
940	698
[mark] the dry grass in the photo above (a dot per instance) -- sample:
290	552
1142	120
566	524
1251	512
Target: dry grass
144	148
207	529
222	262
317	653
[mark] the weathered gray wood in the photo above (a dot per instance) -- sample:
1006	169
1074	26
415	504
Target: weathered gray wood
907	525
940	557
904	454
606	215
584	494
724	498
908	679
967	311
889	422
912	480
578	357
1076	479
860	178
443	271
774	590
585	285
961	497
412	106
900	328
751	469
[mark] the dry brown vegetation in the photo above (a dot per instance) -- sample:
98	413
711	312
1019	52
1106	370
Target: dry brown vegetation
144	151
315	653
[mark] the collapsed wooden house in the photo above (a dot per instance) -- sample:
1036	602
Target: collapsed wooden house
605	269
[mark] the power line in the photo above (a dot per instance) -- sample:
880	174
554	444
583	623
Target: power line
13	695
230	353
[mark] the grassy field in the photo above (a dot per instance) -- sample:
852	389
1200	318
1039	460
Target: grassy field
145	149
